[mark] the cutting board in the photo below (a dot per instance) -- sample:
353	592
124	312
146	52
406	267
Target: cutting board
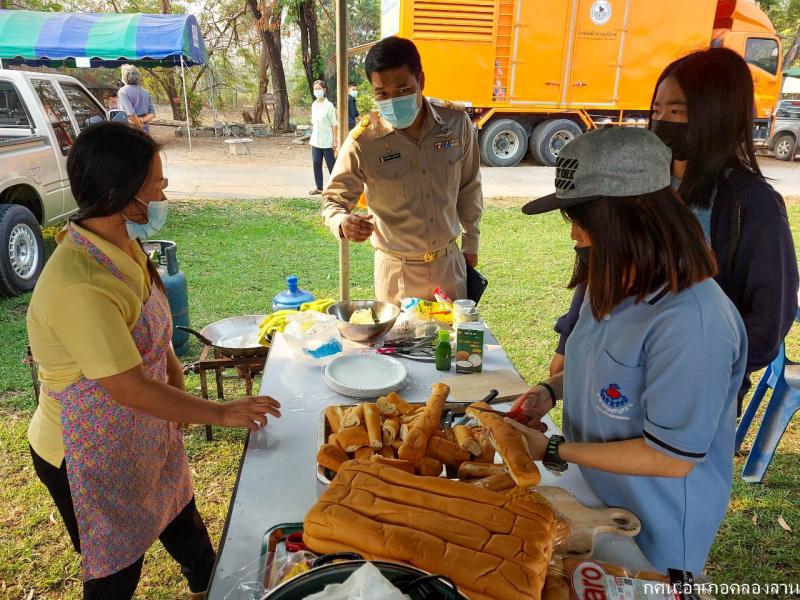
586	523
475	386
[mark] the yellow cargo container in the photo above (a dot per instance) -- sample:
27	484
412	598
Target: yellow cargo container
536	73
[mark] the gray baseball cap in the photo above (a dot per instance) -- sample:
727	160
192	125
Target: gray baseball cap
614	161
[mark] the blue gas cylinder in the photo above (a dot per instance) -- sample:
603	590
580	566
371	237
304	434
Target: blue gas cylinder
175	285
292	297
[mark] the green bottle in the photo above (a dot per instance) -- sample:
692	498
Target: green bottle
443	352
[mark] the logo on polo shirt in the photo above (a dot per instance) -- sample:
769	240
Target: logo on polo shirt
613	402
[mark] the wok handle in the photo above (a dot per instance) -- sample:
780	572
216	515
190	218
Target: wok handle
329	558
197	334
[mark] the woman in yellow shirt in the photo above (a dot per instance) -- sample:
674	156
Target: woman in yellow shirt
104	438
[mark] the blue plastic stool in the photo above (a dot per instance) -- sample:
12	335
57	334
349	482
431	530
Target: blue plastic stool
783	404
768	381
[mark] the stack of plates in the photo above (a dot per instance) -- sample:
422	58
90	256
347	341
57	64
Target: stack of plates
365	375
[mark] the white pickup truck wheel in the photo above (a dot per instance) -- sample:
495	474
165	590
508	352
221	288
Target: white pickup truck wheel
21	250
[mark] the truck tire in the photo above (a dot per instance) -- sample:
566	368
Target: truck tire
549	137
503	143
784	147
21	250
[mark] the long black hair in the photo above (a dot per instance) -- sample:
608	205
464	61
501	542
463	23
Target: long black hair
719	101
107	166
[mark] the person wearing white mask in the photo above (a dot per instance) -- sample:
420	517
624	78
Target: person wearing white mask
324	134
104	438
352	108
417	158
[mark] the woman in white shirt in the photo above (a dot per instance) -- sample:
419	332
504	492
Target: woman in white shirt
324	134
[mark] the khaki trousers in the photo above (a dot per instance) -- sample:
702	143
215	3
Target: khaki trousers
395	279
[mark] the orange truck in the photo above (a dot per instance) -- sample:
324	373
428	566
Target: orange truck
536	73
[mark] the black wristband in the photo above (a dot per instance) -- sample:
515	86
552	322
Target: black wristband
550	389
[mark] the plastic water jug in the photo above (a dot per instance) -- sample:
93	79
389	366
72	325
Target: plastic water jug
292	297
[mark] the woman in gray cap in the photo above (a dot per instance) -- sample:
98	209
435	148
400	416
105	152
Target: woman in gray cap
656	358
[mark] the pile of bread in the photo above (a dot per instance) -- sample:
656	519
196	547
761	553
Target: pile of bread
410	437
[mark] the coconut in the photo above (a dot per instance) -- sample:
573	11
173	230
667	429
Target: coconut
475	360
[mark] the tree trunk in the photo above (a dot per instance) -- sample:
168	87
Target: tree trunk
792	52
268	24
309	41
170	83
263	78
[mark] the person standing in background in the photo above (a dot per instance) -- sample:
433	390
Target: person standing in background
134	99
324	134
352	109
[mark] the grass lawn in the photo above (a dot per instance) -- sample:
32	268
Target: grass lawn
236	256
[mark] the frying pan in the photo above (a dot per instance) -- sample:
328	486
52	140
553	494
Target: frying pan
234	337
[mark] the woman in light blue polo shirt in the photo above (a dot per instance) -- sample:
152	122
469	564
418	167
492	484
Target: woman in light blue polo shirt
657	356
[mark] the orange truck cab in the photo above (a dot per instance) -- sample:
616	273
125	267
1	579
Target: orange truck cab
536	73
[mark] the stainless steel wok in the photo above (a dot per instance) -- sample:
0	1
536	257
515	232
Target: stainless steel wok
234	337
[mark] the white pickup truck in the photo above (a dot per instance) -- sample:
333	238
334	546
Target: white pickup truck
41	114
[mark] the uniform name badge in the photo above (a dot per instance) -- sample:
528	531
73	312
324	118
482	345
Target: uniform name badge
389	157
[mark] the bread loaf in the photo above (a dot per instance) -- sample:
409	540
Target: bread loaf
416	443
428	466
364	453
510	445
499	482
474	470
447	452
353	438
331	457
493	547
403	465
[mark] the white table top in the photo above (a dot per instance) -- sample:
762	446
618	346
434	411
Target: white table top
277	477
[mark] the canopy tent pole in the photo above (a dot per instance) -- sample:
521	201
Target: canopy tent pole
341	100
186	104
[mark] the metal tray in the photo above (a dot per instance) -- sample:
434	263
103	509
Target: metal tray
273	548
451	409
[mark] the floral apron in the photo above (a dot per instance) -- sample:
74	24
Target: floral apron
128	473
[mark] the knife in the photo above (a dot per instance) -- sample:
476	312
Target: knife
490	397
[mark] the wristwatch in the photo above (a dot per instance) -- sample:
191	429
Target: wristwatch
552	461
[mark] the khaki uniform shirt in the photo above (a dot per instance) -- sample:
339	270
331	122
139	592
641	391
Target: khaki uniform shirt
423	194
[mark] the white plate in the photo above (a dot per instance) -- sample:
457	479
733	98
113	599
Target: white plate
365	375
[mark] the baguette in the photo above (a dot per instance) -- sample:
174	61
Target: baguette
372	419
353	416
499	482
364	453
331	457
393	404
510	445
446	452
391	429
403	465
474	470
333	414
353	438
466	441
416	443
428	466
487	450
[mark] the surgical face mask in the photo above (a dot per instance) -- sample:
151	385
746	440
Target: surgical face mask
354	93
673	134
319	93
583	255
156	218
400	112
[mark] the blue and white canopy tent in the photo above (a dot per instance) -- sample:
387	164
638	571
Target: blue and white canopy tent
102	40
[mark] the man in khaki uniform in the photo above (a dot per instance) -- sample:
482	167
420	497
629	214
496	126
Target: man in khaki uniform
418	160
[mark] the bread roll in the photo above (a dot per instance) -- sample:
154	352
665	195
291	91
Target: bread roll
391	429
364	453
510	445
410	419
487	450
439	434
333	414
331	457
415	445
466	441
372	418
388	452
474	470
404	431
403	465
353	416
353	438
499	482
428	466
332	439
450	435
446	452
393	404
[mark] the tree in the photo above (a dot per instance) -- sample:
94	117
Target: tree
267	14
785	16
304	14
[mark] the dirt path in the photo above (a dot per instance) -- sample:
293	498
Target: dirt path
278	168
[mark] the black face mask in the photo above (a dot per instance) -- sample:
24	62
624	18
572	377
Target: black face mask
583	255
675	135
